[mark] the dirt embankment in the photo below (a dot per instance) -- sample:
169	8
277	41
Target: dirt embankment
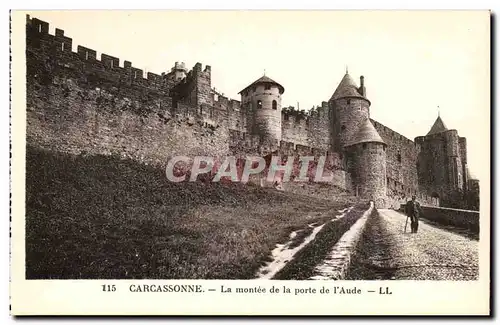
99	217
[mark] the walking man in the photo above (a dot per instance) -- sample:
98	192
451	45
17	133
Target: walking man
413	211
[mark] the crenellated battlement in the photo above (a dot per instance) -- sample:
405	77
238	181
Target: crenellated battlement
295	120
60	46
79	100
57	51
303	118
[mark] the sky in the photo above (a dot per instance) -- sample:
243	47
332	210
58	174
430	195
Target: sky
413	62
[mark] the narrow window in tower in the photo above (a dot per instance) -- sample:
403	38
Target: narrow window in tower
267	87
259	104
86	55
348	102
399	157
62	46
275	104
39	28
111	63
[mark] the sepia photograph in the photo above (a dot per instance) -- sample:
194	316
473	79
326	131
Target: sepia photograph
255	145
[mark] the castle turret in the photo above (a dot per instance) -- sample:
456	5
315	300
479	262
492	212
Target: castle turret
442	163
177	72
263	99
350	108
438	126
367	163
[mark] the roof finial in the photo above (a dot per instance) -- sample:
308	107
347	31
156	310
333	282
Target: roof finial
264	72
346	69
439	114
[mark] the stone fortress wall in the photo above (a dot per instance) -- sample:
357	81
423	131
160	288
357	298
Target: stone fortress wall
79	103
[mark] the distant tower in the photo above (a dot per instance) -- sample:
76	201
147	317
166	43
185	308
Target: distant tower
178	71
442	164
350	108
366	157
262	99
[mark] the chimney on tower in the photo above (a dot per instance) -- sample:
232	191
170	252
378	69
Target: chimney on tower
362	89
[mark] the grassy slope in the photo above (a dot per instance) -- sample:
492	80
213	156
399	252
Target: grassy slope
101	217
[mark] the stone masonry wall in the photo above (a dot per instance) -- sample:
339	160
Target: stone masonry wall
76	103
79	104
64	116
327	191
267	120
433	164
348	114
307	129
465	219
368	168
401	160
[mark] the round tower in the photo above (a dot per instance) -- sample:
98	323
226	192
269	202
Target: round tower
350	108
367	164
440	163
263	100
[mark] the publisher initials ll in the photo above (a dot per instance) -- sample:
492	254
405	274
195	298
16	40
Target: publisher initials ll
384	291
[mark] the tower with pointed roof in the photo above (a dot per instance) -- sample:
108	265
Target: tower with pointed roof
442	163
350	108
366	160
263	99
356	139
438	126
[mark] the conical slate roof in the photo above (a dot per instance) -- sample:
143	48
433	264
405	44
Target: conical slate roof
438	126
347	88
366	133
264	79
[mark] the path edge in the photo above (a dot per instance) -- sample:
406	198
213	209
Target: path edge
342	253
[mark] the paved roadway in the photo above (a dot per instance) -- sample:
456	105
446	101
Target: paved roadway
433	253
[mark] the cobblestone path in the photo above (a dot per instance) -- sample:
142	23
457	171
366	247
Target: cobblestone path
386	252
